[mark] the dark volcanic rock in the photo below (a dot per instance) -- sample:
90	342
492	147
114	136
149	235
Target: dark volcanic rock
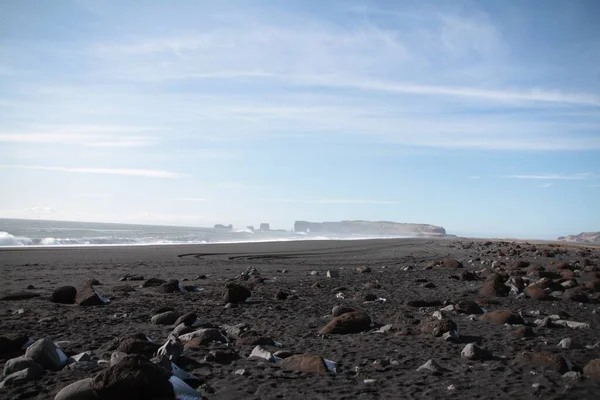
524	332
543	360
235	293
353	322
20	363
576	294
369	297
281	295
128	277
64	295
502	317
424	303
468	307
187	319
153	282
133	378
363	269
79	390
436	327
305	363
171	286
166	318
44	353
87	296
222	356
136	346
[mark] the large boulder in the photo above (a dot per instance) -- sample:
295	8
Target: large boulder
235	293
305	363
352	322
45	353
79	390
12	343
133	378
64	295
87	296
436	327
543	360
502	317
20	363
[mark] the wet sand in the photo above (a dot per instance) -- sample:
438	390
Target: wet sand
401	267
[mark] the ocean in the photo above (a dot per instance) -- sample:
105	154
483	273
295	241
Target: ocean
21	232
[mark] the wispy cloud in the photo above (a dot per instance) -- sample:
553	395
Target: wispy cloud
475	177
191	199
579	176
547	185
330	201
147	173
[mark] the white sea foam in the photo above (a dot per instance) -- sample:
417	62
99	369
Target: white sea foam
6	239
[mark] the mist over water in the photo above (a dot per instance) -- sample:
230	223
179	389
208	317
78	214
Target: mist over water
19	233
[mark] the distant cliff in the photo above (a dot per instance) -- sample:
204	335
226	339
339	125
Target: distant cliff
584	237
370	228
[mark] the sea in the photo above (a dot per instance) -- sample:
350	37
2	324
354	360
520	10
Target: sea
27	232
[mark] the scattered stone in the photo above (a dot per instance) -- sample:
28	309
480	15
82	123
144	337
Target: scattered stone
424	303
166	318
467	276
436	327
240	372
305	363
45	353
172	349
543	360
592	369
133	378
567	344
200	277
20	363
333	274
153	282
524	332
19	296
372	285
536	292
339	310
259	353
282	295
352	322
187	319
202	337
235	293
12	343
87	296
136	346
468	307
222	356
494	286
450	336
430	366
128	277
171	286
365	269
22	376
572	375
30	287
502	317
124	289
475	353
83	366
314	273
79	390
370	297
116	357
64	295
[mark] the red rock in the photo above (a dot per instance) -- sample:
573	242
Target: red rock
353	322
494	287
536	292
502	317
543	360
592	368
305	363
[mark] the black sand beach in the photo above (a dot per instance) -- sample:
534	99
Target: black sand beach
408	273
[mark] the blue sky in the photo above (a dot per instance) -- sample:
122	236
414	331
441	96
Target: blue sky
480	116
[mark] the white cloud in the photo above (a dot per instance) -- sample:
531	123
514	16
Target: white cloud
148	173
580	176
547	185
330	201
475	177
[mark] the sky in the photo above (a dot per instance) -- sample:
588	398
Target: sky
479	116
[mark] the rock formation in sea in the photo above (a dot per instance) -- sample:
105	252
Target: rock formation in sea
370	228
